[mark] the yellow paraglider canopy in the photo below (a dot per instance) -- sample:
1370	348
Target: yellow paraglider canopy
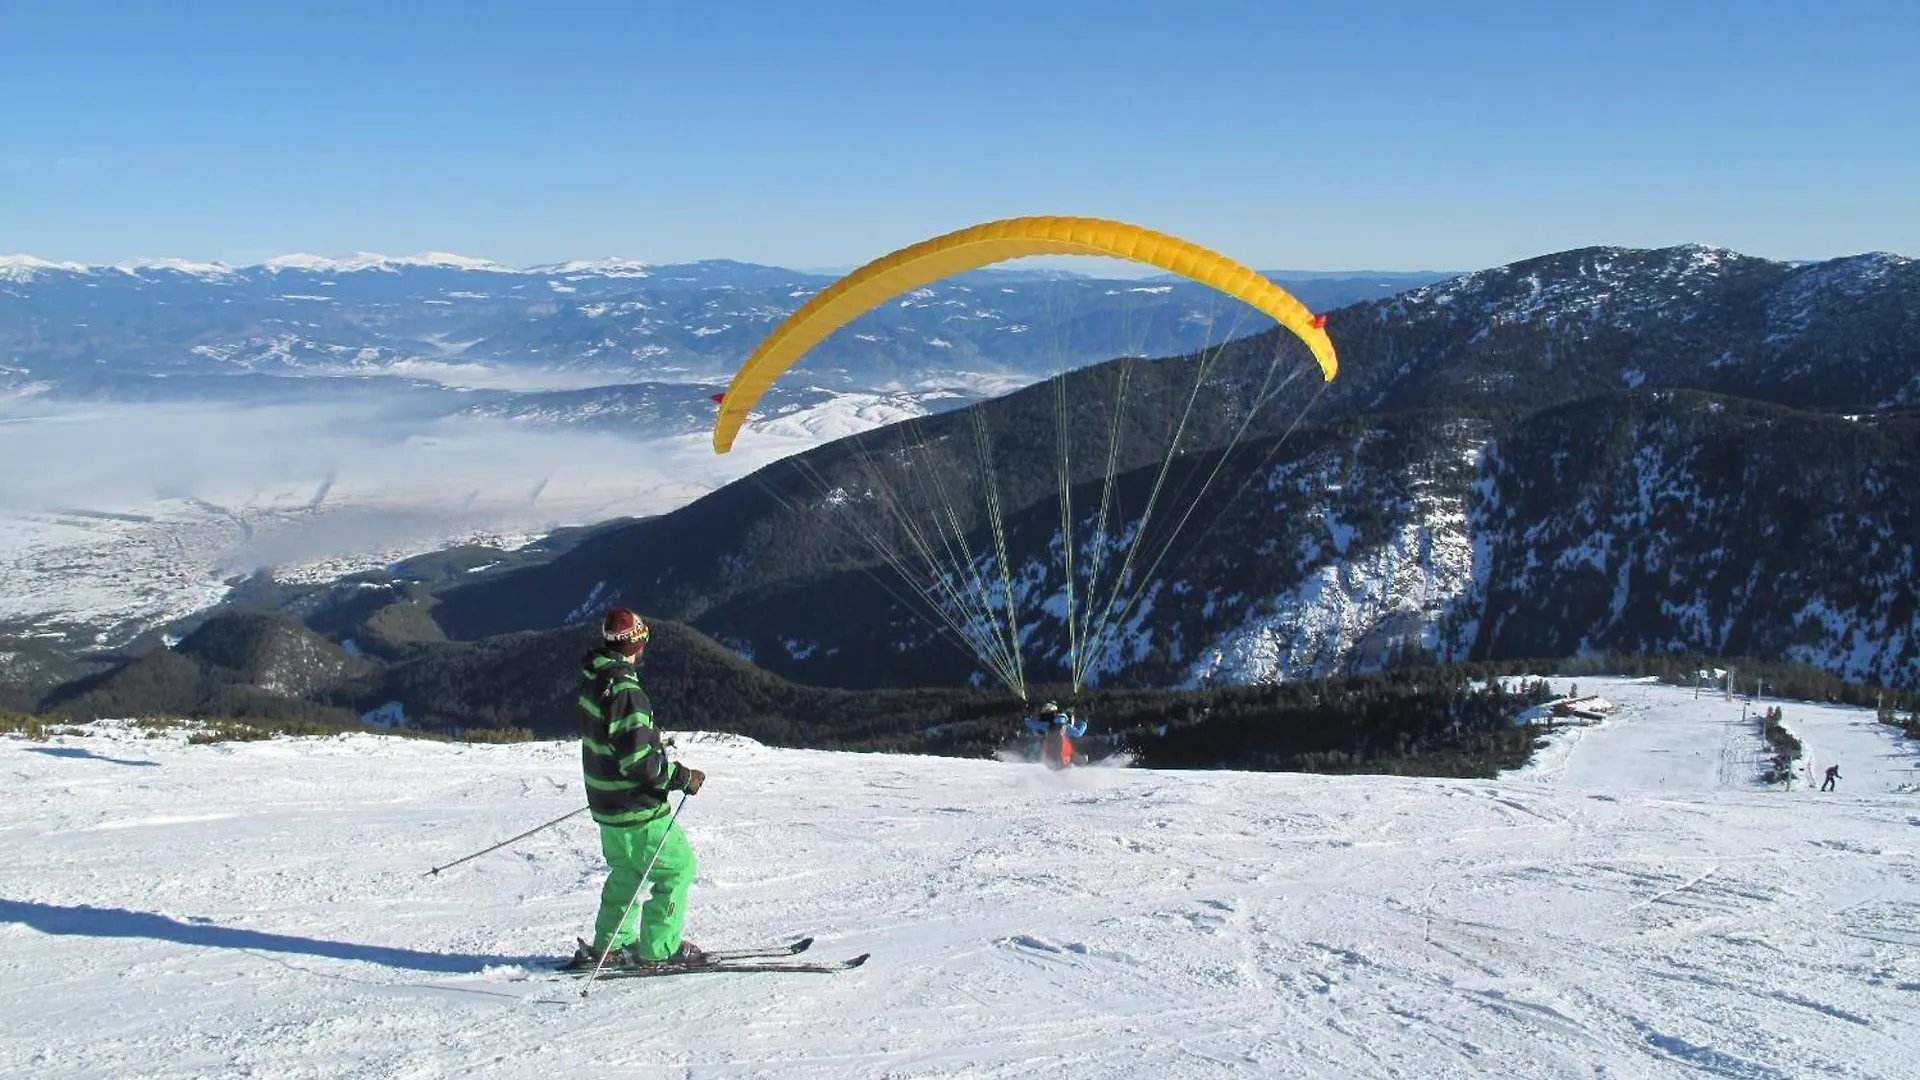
981	245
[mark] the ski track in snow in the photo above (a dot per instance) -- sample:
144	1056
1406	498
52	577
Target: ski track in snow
1632	904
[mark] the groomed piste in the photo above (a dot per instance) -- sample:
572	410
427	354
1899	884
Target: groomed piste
1634	903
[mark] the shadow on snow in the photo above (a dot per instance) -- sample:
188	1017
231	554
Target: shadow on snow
88	921
80	752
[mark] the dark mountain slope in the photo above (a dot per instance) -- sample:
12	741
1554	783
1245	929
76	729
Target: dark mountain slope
1372	557
1227	537
531	680
245	663
768	527
1656	521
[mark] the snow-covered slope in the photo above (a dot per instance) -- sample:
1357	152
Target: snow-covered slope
1363	608
1633	905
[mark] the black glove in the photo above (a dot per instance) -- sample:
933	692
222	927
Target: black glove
693	779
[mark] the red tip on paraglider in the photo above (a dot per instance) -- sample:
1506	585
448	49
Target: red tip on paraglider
1319	322
719	399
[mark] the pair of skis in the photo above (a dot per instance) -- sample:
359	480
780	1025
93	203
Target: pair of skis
737	960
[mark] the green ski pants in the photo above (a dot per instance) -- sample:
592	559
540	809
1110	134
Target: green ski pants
628	849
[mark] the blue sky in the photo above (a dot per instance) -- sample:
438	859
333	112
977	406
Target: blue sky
1306	135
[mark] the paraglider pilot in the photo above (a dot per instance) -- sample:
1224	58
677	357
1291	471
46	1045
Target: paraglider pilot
1057	729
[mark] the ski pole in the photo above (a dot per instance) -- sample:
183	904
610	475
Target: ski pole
642	887
436	870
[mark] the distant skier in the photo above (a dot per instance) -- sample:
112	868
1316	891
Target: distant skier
1832	774
1057	729
628	777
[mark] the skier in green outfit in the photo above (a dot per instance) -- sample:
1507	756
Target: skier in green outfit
628	777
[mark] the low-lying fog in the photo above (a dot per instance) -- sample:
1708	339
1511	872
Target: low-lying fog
126	514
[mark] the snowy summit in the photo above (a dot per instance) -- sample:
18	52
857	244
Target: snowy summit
601	267
27	267
367	260
178	266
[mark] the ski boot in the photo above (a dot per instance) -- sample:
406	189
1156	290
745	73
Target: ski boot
687	955
587	958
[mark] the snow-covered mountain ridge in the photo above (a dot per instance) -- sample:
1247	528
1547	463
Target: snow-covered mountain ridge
27	267
1839	333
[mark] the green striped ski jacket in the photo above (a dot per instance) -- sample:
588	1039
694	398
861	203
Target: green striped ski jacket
626	768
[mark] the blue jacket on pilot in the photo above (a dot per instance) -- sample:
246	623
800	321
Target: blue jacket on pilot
1052	716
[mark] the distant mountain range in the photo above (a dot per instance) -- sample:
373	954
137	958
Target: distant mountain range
163	328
